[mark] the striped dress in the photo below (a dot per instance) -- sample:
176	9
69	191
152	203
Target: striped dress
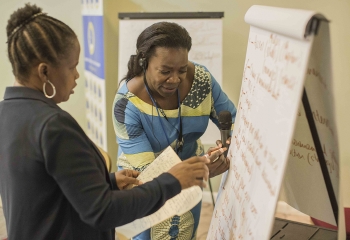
142	138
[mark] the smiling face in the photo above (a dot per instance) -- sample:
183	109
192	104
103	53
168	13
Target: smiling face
63	75
166	70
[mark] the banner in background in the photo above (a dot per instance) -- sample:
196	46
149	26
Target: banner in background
94	71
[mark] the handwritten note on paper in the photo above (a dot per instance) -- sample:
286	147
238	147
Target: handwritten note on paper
177	205
272	82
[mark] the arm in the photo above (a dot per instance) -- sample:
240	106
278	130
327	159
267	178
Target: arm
131	135
220	102
78	170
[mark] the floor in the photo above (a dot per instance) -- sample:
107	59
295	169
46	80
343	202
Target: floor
283	211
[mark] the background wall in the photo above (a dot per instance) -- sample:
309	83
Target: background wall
67	11
235	32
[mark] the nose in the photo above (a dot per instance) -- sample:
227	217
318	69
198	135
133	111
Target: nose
77	75
174	78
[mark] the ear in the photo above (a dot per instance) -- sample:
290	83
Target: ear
43	70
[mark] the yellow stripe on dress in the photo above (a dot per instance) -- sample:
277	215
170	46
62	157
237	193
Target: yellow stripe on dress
202	110
137	160
150	109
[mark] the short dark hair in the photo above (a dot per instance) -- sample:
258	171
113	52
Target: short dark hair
33	36
161	34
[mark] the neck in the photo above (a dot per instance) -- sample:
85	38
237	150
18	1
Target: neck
17	83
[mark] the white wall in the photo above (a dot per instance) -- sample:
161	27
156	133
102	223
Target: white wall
69	12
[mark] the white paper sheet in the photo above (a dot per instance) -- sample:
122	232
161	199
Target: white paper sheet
285	21
273	79
308	192
178	205
271	129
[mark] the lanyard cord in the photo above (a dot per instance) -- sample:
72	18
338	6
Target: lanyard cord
179	142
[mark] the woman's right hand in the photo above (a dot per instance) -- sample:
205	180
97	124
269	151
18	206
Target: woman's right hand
192	171
220	164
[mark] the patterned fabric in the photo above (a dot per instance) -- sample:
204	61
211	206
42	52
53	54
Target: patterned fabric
141	137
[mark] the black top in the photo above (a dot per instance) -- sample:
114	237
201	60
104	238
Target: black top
53	180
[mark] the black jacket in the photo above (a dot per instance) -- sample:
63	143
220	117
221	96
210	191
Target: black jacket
53	181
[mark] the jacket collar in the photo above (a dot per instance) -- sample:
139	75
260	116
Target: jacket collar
27	93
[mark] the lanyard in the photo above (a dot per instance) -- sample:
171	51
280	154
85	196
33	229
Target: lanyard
179	141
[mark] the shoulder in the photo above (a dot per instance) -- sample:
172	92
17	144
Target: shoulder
45	113
128	91
61	118
134	86
202	76
200	67
61	127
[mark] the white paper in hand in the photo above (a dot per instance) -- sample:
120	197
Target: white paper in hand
178	205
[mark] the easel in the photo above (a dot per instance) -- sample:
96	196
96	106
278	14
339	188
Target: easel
304	230
320	155
313	28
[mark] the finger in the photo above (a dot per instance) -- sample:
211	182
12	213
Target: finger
219	143
212	149
207	158
215	160
128	173
222	158
134	173
200	183
201	174
131	180
224	166
197	166
214	164
198	159
216	154
228	141
228	162
206	169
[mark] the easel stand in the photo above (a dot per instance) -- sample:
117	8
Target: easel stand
318	147
289	230
294	230
313	28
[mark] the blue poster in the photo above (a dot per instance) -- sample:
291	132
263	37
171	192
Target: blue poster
94	45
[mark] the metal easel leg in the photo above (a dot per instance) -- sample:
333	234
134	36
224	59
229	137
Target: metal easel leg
211	192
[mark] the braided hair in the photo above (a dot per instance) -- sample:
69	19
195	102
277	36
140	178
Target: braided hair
34	37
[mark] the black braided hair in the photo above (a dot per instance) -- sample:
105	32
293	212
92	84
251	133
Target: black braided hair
34	37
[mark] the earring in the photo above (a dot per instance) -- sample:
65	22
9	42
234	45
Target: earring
53	88
142	62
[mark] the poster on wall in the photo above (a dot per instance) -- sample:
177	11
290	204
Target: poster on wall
94	71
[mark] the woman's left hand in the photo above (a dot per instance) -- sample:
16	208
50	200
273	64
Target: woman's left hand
127	177
219	164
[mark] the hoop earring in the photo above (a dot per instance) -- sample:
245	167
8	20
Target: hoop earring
53	88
